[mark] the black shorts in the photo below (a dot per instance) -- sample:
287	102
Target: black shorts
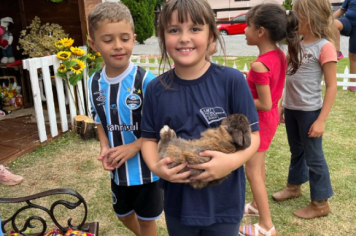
145	200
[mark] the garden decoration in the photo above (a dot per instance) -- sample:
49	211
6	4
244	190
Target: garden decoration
6	39
11	96
74	60
38	40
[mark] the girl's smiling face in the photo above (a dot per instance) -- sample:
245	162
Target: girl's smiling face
186	42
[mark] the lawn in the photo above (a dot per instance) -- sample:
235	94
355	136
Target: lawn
70	162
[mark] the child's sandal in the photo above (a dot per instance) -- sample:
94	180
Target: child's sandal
249	208
246	230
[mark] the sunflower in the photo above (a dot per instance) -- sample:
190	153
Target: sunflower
77	51
67	42
91	57
63	55
62	68
59	45
78	68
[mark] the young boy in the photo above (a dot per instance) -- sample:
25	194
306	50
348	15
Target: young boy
116	96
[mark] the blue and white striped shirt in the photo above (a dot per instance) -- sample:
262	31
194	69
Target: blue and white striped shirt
116	105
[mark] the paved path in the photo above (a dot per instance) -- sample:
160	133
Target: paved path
235	46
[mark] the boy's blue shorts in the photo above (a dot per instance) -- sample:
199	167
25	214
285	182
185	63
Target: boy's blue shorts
349	30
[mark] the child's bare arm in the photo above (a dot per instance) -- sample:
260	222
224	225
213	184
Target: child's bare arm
318	127
160	167
118	155
223	164
264	101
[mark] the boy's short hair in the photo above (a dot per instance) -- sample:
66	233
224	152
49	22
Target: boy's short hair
110	11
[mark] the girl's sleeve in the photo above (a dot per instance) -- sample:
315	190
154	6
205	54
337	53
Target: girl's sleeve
327	54
147	121
93	110
242	101
262	78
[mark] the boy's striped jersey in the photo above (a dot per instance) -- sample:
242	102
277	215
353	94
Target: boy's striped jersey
117	105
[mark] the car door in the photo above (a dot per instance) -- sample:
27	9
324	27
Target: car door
238	28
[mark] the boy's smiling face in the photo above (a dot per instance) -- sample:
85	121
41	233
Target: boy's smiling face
115	43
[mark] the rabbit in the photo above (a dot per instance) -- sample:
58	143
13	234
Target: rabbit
232	135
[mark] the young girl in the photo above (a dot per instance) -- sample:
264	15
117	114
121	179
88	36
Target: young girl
267	24
194	96
305	111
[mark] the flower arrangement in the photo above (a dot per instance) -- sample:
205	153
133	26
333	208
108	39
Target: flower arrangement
74	60
11	95
38	40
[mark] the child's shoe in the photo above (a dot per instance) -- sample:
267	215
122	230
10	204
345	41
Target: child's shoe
313	210
339	55
7	178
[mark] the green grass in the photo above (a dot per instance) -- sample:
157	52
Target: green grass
70	162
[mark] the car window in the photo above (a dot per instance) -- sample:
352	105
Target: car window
240	18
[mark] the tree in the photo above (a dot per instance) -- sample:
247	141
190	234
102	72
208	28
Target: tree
143	15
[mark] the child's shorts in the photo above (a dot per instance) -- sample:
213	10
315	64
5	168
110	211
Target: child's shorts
349	30
145	200
268	122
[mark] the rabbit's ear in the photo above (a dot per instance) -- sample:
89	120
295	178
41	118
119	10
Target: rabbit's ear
243	140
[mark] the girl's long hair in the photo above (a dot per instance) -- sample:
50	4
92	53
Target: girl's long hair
319	16
200	13
280	24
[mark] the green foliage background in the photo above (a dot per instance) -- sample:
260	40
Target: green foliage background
143	16
288	4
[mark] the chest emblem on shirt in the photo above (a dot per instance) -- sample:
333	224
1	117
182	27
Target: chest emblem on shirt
133	101
213	114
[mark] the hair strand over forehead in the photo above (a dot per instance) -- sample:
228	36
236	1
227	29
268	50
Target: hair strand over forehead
108	11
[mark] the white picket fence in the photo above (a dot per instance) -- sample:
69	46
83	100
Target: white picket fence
80	92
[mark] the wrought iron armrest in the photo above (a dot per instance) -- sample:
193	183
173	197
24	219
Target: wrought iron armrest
87	227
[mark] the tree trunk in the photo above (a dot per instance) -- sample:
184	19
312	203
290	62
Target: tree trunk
78	124
88	129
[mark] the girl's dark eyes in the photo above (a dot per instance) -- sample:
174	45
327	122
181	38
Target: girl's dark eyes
195	29
173	31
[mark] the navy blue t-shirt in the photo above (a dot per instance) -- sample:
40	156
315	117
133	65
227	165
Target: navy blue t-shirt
189	107
350	7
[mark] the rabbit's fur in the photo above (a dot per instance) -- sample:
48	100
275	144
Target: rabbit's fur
232	135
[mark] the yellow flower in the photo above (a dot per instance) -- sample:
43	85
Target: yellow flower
59	45
77	51
62	68
68	42
91	57
98	54
63	55
78	68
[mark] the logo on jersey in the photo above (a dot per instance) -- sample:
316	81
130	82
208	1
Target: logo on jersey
113	107
101	98
123	127
133	101
213	114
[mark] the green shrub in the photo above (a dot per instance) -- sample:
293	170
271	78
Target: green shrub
143	16
288	4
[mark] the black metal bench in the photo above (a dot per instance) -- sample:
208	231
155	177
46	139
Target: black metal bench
32	222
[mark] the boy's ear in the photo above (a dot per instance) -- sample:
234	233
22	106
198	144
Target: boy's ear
134	37
92	44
